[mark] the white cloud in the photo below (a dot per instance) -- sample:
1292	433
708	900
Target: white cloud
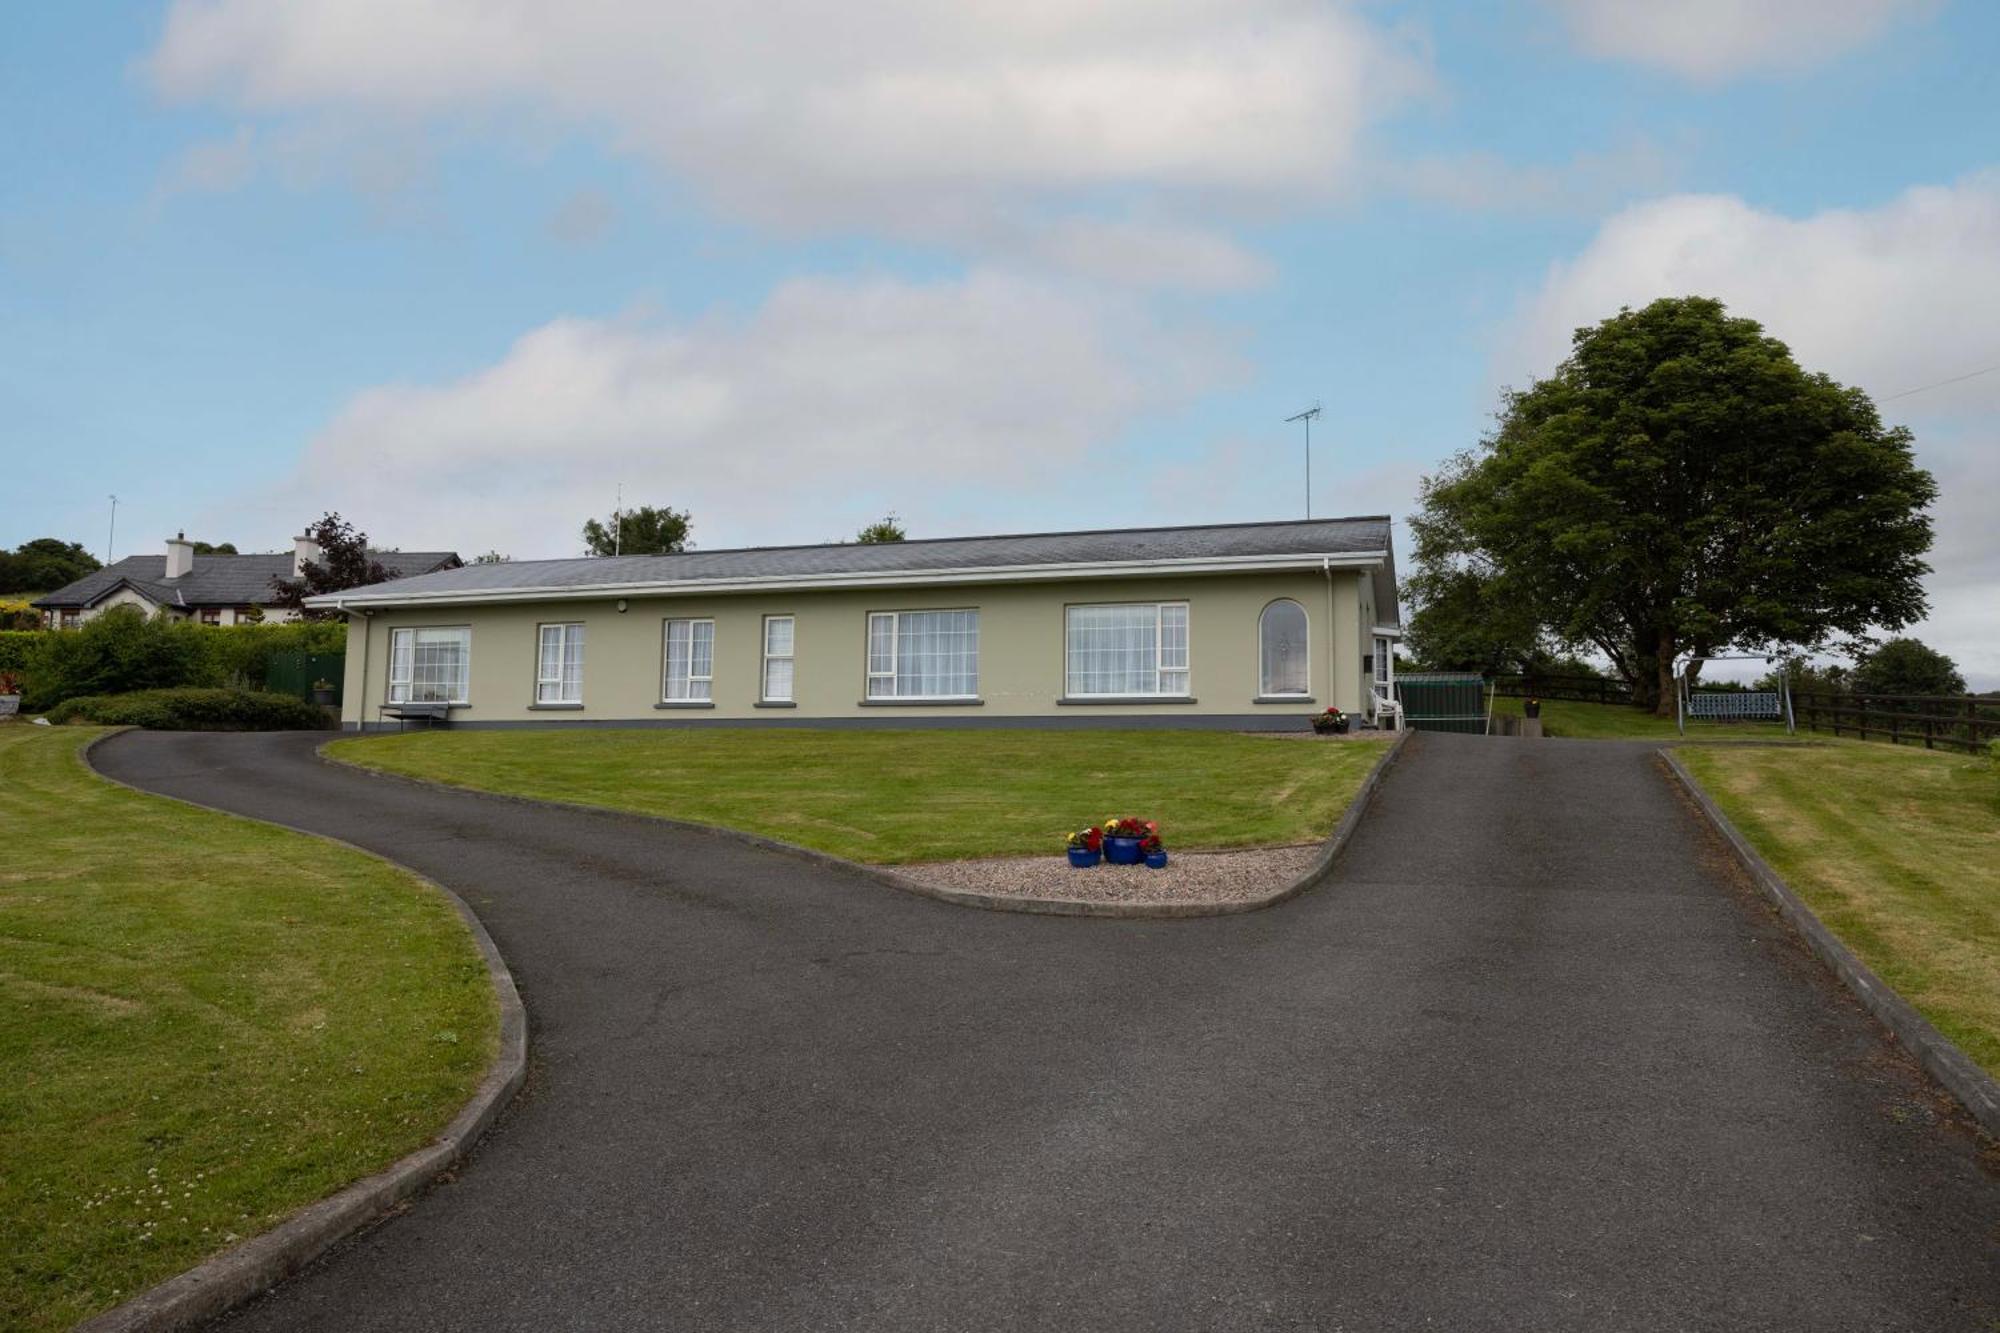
1890	299
905	114
1719	39
830	404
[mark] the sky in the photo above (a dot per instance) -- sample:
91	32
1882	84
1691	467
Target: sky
463	269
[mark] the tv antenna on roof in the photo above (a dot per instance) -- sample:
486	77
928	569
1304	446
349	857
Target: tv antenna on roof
1307	417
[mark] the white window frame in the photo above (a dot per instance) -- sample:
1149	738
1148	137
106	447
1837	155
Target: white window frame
895	619
792	657
1160	667
401	690
549	689
1263	668
666	662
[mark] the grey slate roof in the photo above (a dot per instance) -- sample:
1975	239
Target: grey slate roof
216	580
1333	536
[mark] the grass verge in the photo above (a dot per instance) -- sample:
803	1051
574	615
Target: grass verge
899	796
1894	850
1606	722
206	1024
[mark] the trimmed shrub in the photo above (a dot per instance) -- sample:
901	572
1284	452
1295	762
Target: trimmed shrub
124	650
193	710
119	651
17	646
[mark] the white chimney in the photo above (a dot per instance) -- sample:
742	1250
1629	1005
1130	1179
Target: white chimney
303	549
180	556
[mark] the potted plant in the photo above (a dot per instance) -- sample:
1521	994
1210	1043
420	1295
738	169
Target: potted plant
1532	708
1154	852
10	694
1086	847
323	693
1332	722
1124	840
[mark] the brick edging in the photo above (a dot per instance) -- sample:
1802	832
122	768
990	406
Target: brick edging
992	902
251	1267
1975	1089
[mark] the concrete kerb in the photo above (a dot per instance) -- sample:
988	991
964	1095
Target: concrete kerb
1976	1090
992	902
219	1284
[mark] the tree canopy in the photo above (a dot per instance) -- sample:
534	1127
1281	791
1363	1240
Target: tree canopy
1906	666
641	531
344	562
1678	485
216	548
44	564
885	530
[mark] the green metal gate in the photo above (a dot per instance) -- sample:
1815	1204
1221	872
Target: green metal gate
294	673
1444	701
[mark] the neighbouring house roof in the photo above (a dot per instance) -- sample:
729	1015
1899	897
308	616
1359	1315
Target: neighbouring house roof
215	580
1217	548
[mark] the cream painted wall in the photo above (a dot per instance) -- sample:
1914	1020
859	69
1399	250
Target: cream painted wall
1020	649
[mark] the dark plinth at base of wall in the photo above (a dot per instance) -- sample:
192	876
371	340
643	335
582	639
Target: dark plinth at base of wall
1163	721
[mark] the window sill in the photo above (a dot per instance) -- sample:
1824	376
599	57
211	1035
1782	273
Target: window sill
555	708
686	703
1085	700
775	703
1284	699
956	701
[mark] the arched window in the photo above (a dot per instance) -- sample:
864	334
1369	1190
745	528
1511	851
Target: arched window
1281	644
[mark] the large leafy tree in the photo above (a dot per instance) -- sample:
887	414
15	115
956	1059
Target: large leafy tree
641	531
1907	666
883	530
344	562
44	564
1680	486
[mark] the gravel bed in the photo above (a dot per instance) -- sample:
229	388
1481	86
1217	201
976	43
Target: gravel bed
1201	877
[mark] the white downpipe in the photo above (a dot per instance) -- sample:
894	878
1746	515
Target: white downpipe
1332	639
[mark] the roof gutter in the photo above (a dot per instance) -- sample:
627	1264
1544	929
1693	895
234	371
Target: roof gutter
902	578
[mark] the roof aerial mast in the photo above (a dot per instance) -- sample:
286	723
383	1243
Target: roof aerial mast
1307	417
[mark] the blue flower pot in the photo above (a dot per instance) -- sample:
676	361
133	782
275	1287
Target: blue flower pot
1156	861
1122	851
1083	858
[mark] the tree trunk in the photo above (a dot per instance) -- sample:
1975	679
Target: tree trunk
1665	705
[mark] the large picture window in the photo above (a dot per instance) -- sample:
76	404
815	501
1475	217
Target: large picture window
1281	648
1139	649
690	676
430	666
778	631
923	654
559	665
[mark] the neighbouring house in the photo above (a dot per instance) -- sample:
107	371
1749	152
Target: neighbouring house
1252	625
213	589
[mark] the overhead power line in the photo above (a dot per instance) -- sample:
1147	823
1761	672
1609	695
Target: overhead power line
1955	379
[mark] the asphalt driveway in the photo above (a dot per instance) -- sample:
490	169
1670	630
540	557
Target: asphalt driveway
1533	1059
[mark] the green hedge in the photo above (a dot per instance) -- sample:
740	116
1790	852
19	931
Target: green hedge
122	650
193	710
16	646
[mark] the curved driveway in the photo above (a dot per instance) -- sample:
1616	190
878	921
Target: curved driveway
1532	1059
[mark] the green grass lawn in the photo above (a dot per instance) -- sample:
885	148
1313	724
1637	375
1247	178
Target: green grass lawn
205	1023
899	796
1599	722
1898	851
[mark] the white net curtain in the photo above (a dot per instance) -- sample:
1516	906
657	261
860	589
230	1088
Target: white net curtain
1139	649
923	655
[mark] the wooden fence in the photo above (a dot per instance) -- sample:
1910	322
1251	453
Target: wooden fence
1954	721
1579	689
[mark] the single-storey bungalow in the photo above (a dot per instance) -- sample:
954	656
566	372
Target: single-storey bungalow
1237	625
212	589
